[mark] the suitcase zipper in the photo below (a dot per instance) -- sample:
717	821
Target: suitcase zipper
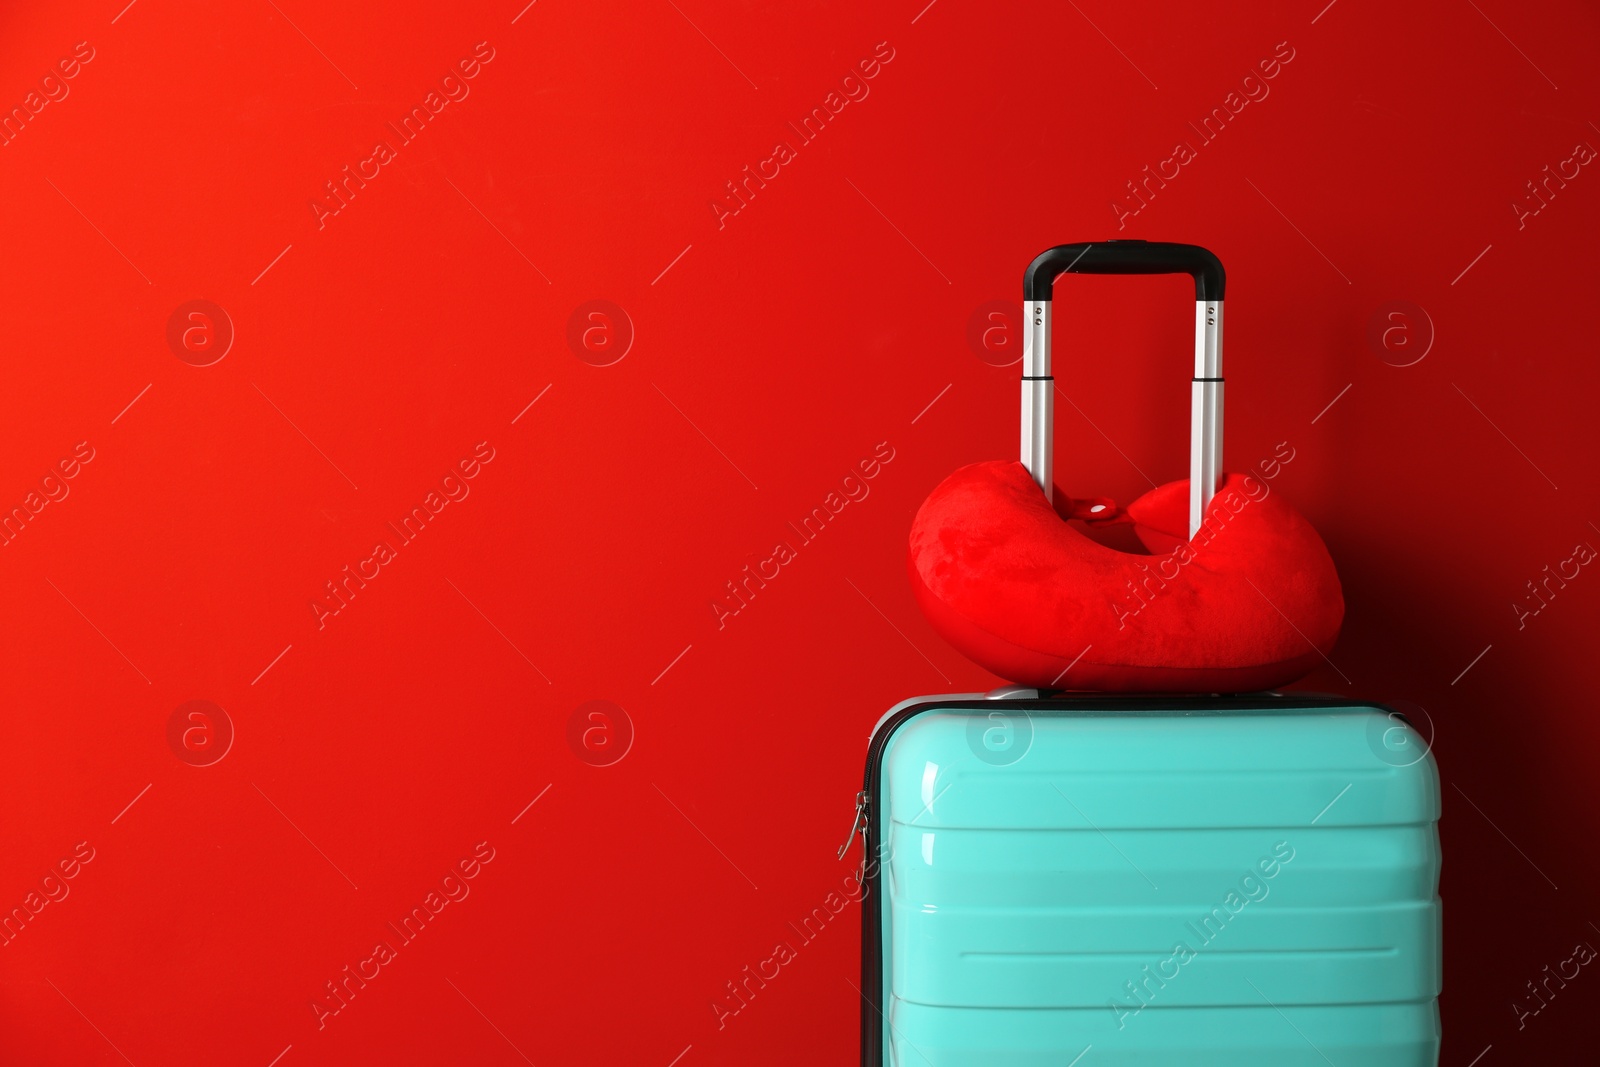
871	919
860	823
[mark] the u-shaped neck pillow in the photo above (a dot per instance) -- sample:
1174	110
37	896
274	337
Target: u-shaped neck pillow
1251	602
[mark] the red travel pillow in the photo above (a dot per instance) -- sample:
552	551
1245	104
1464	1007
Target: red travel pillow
1246	605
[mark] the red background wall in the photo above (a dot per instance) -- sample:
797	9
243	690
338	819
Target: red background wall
376	347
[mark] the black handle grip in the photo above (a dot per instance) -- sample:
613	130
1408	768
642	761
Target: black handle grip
1124	257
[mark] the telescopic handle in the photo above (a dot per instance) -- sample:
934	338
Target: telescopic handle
1038	384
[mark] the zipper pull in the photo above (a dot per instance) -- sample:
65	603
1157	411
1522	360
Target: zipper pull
860	823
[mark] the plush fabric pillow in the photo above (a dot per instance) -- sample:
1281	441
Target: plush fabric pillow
1252	602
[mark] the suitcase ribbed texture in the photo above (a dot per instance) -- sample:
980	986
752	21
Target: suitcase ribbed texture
1190	887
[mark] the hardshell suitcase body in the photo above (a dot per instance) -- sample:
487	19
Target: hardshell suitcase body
1103	880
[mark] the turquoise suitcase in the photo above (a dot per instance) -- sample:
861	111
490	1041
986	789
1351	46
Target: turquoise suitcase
1108	881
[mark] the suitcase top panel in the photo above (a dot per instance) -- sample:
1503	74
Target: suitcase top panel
1216	764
